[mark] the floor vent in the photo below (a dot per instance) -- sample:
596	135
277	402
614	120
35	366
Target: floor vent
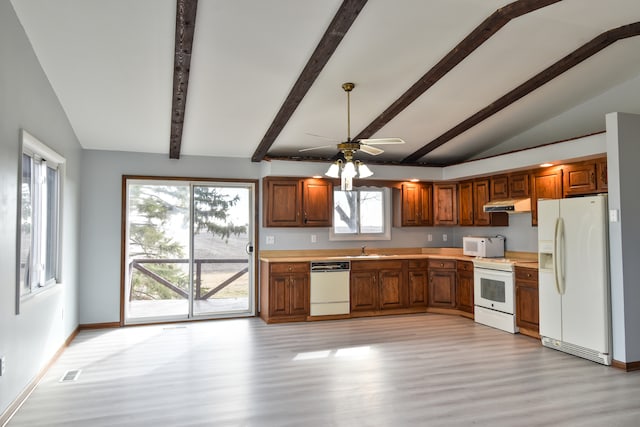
70	376
169	328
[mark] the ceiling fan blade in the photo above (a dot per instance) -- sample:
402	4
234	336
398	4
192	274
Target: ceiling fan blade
374	151
380	141
317	148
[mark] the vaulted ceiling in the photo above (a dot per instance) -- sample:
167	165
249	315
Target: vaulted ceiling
455	79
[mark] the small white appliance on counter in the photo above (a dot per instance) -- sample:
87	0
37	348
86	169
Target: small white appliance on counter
483	246
575	314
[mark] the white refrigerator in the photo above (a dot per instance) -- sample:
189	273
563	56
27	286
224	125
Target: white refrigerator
575	315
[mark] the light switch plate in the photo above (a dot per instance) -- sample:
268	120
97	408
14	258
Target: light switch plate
271	240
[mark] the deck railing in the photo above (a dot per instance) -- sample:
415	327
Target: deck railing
138	264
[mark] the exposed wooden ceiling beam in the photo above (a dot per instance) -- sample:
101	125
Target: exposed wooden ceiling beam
332	37
574	58
471	42
185	28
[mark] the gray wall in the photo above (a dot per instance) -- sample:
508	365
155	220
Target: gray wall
30	339
623	152
101	214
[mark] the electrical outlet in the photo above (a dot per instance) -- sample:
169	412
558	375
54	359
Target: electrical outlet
429	237
2	366
314	238
271	240
444	237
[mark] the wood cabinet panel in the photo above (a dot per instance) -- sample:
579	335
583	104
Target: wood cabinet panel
579	179
363	291
278	303
601	174
445	204
442	288
413	205
282	202
546	184
418	280
378	285
519	185
442	283
317	203
285	288
464	286
499	187
527	302
466	203
392	290
481	197
299	294
295	202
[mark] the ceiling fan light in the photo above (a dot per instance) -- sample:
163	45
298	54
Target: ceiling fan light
334	170
363	170
349	170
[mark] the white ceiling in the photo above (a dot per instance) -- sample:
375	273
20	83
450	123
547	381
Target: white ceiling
111	64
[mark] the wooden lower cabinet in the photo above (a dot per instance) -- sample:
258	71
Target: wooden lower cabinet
464	286
442	283
378	285
418	281
285	292
527	306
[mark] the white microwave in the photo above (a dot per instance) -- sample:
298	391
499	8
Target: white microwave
483	246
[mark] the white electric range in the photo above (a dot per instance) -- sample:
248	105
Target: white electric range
494	293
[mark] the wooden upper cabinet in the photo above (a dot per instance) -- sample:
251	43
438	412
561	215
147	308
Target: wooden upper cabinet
545	184
579	178
317	203
601	174
466	203
512	186
519	185
481	196
499	187
282	202
588	177
295	202
445	204
413	205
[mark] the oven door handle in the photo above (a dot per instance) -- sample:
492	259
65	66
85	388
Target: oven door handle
558	248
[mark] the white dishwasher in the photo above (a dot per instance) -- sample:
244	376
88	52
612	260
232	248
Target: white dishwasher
329	287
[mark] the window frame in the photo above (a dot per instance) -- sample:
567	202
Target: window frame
386	209
44	239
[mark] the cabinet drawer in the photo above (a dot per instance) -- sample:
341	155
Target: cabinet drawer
527	274
289	267
375	265
465	266
418	264
442	263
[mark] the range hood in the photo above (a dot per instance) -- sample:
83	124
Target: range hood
508	205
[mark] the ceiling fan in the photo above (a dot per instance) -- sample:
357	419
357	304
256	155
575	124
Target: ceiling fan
349	147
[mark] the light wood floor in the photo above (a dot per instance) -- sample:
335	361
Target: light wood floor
418	370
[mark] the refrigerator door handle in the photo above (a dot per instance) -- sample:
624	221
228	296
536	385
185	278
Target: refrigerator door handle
556	255
559	263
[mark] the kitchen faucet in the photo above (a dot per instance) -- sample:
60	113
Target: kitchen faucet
363	252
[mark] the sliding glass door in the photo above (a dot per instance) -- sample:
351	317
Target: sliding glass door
188	250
